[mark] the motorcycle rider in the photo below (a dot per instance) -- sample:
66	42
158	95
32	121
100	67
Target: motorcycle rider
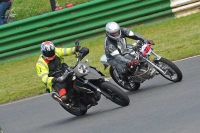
115	43
50	67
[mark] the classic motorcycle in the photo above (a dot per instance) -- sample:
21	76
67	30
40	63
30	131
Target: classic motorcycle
146	69
85	80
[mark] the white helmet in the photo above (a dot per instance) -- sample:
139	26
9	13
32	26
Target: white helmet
113	30
48	50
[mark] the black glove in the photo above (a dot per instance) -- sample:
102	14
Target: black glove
78	48
132	63
84	51
150	42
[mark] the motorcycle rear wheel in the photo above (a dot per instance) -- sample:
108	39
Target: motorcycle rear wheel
116	79
172	72
82	110
115	94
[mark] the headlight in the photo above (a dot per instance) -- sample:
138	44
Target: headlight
83	69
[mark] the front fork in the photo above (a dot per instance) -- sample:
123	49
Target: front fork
155	66
93	87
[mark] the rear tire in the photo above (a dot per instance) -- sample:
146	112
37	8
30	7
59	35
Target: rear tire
114	77
82	110
114	93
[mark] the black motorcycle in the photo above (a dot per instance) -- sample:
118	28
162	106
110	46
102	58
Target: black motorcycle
88	85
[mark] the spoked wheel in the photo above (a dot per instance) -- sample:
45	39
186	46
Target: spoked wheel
171	71
115	94
133	86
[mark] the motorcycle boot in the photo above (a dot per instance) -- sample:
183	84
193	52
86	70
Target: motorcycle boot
93	102
97	95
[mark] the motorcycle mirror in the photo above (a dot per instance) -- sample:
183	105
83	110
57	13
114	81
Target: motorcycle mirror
77	42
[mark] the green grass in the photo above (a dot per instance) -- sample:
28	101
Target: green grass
24	9
175	39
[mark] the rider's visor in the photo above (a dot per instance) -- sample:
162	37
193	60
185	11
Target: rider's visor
115	34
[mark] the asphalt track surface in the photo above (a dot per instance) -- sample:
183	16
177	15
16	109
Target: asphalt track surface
159	106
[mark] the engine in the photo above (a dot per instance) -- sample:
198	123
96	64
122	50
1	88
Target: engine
143	72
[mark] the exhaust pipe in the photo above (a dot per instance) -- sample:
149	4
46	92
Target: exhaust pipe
56	97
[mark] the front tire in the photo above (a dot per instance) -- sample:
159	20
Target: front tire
115	94
135	85
172	72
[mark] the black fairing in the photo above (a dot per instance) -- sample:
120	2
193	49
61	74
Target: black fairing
88	79
92	73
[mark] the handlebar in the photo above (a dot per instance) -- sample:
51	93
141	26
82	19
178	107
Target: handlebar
69	70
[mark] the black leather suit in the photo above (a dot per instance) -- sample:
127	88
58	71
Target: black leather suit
115	48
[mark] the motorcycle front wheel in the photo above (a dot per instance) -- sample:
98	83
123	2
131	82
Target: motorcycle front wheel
134	87
114	93
171	71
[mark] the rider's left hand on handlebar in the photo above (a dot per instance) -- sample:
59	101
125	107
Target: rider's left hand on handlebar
78	48
150	42
84	51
